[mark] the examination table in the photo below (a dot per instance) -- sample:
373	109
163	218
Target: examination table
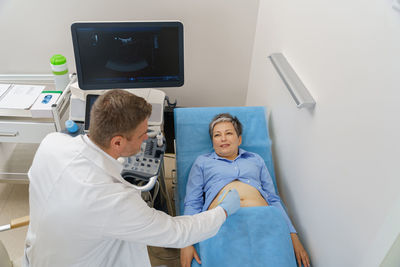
254	236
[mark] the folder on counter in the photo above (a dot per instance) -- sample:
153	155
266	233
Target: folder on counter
20	96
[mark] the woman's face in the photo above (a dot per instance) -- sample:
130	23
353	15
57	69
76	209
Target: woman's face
225	140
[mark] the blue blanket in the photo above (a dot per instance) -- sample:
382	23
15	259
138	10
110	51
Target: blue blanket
254	236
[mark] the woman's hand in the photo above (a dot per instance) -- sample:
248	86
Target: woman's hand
299	251
187	255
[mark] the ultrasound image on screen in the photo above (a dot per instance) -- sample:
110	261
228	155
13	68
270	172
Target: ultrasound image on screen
123	55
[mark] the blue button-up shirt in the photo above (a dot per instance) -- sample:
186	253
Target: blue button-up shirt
210	173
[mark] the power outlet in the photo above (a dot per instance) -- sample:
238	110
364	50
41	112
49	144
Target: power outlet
396	5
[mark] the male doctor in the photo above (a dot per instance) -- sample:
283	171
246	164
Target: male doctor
83	213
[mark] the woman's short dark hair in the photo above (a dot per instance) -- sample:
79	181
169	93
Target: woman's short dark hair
225	117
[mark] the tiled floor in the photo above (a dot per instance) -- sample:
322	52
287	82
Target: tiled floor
14	203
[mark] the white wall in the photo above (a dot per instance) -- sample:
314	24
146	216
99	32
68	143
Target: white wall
219	36
338	165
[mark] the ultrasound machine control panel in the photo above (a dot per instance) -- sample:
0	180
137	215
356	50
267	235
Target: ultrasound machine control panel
146	163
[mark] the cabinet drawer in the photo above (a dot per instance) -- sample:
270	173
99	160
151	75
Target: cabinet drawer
25	132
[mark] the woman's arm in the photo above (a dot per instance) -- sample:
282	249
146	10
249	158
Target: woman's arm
194	200
187	255
274	200
299	251
193	204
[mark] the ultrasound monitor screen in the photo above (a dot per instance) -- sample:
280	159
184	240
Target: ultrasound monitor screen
112	55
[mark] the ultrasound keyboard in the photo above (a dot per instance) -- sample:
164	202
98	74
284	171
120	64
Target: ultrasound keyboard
146	163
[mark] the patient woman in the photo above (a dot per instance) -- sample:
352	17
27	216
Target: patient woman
232	167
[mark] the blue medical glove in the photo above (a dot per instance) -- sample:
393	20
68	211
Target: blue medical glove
230	201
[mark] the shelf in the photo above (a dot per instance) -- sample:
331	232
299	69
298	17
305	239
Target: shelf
18	126
16	166
20	133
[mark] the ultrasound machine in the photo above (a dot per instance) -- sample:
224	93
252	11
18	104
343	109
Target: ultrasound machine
133	56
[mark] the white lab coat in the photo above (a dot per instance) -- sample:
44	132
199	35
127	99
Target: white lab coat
83	213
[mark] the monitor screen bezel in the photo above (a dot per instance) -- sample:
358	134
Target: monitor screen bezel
88	107
152	84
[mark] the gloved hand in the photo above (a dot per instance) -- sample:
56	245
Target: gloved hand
230	201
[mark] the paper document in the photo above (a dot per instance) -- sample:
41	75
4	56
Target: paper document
21	96
4	88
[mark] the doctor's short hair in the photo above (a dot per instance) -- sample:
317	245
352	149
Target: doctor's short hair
225	117
116	112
